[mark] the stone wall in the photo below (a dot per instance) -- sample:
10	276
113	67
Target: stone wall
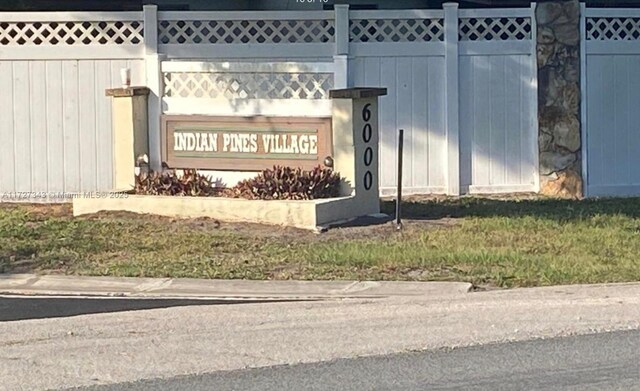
558	51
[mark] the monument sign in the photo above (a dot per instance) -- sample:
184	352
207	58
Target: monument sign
239	143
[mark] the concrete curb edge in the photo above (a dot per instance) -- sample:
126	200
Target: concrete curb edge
59	285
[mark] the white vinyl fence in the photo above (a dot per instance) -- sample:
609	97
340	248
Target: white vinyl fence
611	85
498	101
55	120
462	83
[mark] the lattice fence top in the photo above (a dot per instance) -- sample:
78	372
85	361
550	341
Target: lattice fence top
396	30
613	29
248	85
494	29
246	31
70	33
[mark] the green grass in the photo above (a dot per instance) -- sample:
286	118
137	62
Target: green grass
504	243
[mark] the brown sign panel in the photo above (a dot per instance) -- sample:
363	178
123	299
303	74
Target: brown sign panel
244	143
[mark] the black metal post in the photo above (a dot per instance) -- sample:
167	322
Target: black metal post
399	190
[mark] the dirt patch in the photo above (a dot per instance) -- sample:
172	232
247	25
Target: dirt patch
385	230
375	231
42	211
381	230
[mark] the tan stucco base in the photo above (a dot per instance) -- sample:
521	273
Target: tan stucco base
130	133
300	214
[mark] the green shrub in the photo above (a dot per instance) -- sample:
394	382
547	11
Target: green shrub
190	183
286	183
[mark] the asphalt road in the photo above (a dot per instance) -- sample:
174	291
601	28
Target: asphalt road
601	362
23	308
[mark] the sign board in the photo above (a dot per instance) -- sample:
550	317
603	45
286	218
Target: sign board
245	143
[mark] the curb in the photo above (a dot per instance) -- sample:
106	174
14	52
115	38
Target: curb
58	285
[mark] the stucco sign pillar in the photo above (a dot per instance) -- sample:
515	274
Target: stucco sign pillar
130	135
355	144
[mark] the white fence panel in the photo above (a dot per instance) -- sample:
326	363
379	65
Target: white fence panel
613	118
55	120
498	98
247	88
415	103
498	152
403	51
56	124
612	84
246	34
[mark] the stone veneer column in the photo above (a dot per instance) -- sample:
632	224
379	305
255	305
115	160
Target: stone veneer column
558	51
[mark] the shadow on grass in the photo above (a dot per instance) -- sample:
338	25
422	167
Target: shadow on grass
364	221
553	209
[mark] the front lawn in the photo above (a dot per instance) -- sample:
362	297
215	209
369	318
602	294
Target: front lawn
489	242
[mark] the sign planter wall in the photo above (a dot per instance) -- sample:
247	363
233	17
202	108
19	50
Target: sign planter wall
239	143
